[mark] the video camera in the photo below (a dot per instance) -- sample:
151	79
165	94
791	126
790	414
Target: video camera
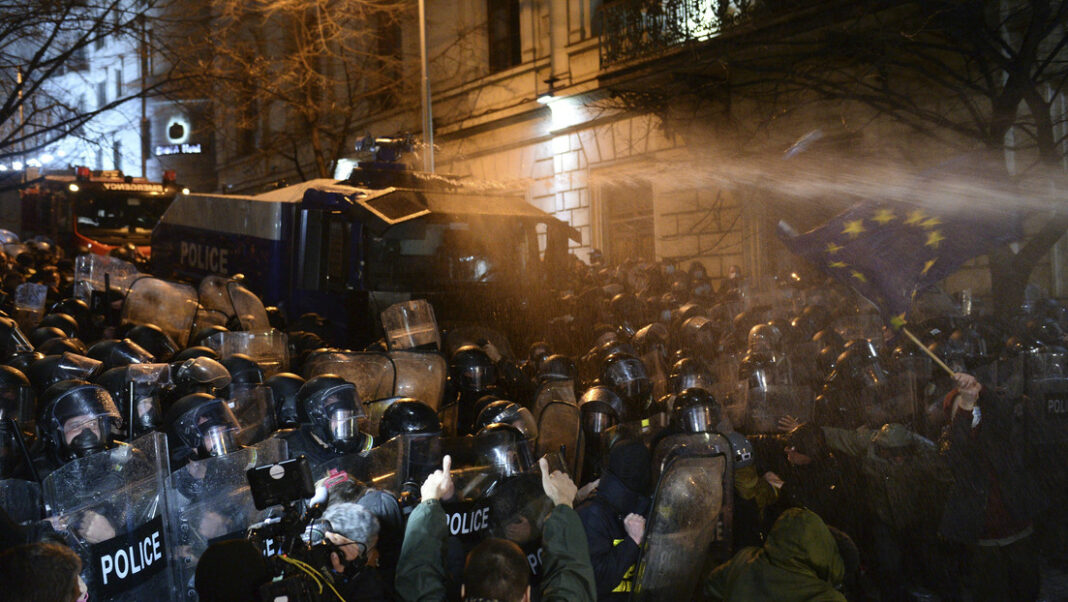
300	554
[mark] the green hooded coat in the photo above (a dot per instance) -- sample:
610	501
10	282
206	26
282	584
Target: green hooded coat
798	562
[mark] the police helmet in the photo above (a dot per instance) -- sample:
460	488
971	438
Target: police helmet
472	370
408	416
690	372
51	369
68	324
508	412
44	333
12	340
192	352
154	340
199	375
77	419
626	375
601	409
17	398
115	352
333	407
695	411
284	387
59	346
204	423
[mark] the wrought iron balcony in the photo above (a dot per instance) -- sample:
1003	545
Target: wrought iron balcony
637	29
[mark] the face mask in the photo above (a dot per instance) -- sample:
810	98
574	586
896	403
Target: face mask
85	444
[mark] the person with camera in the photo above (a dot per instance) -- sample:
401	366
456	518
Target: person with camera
354	532
496	569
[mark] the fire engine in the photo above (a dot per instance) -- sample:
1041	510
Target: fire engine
95	211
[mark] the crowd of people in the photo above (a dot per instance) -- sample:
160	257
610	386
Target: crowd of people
661	436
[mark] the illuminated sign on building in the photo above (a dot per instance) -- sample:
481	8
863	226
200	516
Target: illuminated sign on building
178	149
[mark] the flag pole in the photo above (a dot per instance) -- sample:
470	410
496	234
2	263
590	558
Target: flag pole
938	361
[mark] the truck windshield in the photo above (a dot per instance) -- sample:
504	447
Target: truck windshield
438	255
114	219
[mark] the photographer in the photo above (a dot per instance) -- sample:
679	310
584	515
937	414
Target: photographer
496	569
354	530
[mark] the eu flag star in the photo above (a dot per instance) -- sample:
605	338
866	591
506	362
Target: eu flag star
833	248
927	266
854	228
934	237
858	276
838	264
916	217
884	216
931	223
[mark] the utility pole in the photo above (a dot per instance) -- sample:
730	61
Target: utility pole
144	102
428	120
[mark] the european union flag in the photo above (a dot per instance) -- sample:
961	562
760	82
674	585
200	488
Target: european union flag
889	253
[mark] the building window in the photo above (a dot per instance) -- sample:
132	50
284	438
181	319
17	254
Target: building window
118	83
505	43
627	211
102	93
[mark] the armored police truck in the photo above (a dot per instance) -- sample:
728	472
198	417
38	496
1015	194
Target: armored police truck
348	249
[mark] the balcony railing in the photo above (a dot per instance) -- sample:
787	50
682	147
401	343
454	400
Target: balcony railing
637	29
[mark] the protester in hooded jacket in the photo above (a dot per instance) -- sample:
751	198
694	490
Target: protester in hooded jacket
799	561
614	519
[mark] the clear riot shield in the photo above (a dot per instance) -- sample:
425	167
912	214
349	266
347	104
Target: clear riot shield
679	530
765	405
554	391
411	324
420	375
417	374
494	343
22	500
90	272
169	305
255	413
142	392
213	296
209	501
29	304
248	308
704	444
8	237
268	348
560	430
112	509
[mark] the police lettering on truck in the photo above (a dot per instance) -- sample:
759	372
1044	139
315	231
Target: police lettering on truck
204	257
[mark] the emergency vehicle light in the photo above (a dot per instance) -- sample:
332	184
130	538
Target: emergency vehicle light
83	173
170	176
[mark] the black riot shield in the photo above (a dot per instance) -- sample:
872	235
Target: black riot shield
680	528
112	509
209	501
